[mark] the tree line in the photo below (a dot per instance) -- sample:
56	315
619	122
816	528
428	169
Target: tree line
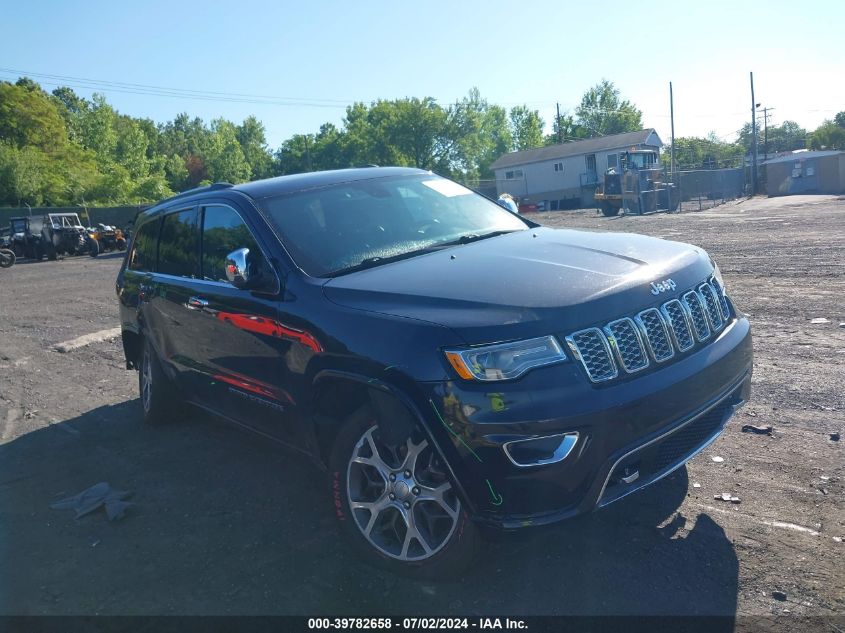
59	148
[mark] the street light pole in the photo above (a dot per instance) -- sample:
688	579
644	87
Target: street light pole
753	139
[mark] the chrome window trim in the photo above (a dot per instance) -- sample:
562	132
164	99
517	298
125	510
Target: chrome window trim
685	302
639	320
706	287
608	331
687	321
573	346
565	449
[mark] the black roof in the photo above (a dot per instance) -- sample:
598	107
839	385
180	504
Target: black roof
295	182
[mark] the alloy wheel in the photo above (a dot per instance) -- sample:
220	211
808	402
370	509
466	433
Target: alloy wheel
400	497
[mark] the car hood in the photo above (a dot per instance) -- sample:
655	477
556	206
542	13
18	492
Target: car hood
526	283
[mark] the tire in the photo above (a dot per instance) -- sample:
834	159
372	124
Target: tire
93	247
121	244
428	492
160	404
49	249
608	210
7	258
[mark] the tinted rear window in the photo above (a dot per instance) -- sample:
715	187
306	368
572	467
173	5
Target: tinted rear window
177	246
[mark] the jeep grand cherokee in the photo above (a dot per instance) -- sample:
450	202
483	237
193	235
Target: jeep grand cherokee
451	364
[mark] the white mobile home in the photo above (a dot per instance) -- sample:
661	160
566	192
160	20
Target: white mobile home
565	176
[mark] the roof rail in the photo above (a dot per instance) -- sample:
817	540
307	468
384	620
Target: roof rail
212	187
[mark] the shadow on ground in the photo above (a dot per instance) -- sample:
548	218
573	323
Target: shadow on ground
226	522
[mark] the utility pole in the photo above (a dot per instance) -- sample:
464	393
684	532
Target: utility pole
559	134
754	105
672	118
766	116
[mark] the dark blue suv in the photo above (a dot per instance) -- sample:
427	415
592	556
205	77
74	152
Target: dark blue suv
451	364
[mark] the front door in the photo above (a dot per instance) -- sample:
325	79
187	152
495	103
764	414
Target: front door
244	356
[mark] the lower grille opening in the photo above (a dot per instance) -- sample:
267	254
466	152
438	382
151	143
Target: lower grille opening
655	460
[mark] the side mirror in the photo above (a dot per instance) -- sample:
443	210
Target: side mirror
236	268
244	275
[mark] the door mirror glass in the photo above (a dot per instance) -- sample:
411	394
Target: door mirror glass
237	271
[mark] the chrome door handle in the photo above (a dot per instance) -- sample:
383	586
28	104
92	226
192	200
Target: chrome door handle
196	303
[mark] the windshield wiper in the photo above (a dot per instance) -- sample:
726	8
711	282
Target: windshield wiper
371	262
474	237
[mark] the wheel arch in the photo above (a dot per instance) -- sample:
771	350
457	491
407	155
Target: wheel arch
385	398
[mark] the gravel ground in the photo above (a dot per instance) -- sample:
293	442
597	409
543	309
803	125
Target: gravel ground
225	523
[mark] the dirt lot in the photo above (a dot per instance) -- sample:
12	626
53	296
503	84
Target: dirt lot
226	523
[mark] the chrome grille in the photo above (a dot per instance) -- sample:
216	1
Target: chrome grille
656	334
592	349
711	303
692	302
627	344
679	326
723	302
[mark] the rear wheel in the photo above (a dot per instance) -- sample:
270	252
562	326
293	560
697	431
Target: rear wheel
121	244
396	504
159	400
93	247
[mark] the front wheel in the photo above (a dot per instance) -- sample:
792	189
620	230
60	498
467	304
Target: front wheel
120	244
608	210
396	504
93	247
7	258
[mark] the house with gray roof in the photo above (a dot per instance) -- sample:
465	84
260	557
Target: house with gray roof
565	176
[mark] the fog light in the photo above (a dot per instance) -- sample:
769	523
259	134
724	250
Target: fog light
539	451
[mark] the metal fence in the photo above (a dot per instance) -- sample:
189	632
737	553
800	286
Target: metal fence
705	188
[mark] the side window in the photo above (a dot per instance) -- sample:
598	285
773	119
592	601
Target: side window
177	246
223	231
143	255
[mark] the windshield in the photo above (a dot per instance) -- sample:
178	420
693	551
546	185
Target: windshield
18	226
642	160
345	226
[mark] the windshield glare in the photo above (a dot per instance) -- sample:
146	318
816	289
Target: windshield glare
334	228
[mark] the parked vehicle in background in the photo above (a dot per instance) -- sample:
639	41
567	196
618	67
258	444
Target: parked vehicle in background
7	258
452	365
641	187
63	234
25	238
106	238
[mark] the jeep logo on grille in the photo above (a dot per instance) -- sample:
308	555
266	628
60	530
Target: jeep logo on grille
662	286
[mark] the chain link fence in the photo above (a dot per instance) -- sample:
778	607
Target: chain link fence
701	189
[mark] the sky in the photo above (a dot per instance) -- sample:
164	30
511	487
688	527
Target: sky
296	65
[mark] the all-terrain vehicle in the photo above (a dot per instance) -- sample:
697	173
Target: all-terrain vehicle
25	238
641	187
107	238
63	234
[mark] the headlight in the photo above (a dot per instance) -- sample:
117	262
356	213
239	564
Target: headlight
505	361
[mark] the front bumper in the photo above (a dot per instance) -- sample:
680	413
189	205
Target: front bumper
630	433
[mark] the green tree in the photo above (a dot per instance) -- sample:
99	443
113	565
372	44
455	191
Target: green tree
526	128
29	118
828	135
225	158
251	136
603	112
